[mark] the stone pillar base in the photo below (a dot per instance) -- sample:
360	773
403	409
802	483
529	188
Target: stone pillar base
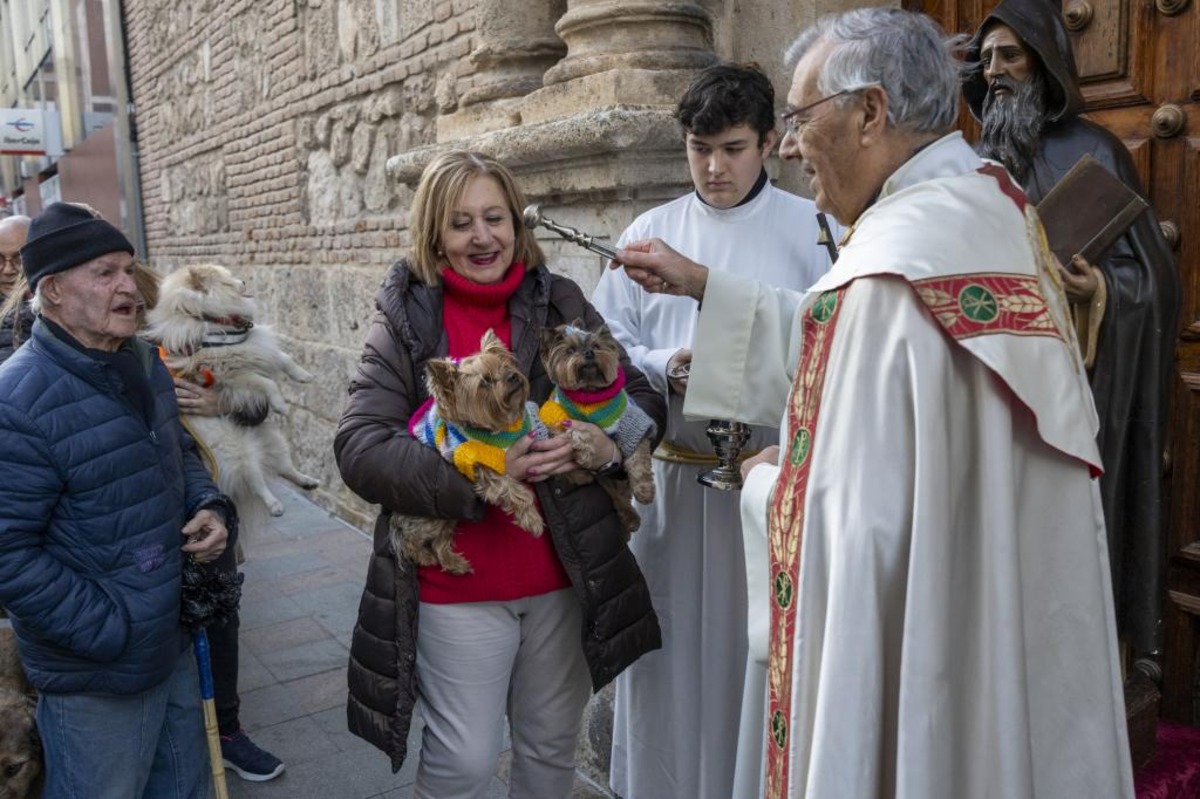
607	152
474	120
628	88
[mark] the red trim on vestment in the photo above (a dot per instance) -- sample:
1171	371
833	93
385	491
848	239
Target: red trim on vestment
1007	185
984	303
785	528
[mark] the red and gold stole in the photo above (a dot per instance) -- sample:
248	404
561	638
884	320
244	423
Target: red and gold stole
786	526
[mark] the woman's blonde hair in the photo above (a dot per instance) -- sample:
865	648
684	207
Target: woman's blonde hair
12	307
442	185
147	280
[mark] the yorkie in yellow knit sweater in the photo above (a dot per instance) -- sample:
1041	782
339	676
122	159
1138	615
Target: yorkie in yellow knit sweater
477	408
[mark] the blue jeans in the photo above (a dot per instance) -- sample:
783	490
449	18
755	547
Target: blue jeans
102	746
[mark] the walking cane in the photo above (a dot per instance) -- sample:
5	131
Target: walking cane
200	641
209	597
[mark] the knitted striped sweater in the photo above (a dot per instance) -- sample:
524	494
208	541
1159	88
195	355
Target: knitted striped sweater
467	447
609	409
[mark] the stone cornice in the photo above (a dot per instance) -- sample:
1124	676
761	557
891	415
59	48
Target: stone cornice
602	150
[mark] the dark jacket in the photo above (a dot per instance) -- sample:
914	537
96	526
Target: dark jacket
382	464
1135	351
93	495
22	319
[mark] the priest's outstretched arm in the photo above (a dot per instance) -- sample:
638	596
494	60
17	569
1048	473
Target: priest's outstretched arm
747	336
618	301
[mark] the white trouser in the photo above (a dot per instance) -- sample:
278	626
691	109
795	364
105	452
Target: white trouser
474	661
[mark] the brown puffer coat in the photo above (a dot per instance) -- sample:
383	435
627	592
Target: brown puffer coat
382	464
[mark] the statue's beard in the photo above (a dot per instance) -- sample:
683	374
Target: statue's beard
1012	123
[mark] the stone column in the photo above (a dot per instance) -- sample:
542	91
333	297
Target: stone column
623	52
515	45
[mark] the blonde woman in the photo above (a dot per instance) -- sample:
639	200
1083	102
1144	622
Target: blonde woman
539	622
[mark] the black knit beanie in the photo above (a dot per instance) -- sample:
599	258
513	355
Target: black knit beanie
63	236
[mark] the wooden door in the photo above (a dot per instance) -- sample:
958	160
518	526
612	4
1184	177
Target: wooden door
1139	63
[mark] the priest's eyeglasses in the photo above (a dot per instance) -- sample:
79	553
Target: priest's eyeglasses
792	124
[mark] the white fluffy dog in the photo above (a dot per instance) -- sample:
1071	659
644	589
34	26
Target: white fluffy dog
204	323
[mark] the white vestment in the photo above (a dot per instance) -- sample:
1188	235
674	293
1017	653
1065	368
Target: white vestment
676	712
939	599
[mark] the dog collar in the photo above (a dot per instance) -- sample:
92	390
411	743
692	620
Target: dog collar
223	337
216	335
225	331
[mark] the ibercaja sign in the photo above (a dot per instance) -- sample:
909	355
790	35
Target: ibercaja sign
29	131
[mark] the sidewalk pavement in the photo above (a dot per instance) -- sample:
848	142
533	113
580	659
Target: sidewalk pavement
304	576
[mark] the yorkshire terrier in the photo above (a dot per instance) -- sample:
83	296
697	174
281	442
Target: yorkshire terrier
589	386
478	407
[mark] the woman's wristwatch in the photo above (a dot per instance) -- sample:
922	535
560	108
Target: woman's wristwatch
614	464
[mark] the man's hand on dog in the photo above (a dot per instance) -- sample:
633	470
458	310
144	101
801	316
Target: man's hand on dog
206	536
531	460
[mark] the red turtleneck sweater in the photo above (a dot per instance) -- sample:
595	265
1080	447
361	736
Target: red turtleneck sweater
508	562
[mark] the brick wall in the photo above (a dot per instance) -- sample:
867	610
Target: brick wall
263	131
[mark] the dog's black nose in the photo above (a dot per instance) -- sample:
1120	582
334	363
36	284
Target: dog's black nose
589	354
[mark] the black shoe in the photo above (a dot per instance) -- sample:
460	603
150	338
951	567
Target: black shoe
250	762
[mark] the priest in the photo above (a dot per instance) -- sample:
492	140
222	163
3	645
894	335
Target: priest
940	617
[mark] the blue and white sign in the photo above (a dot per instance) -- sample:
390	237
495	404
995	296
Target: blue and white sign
29	131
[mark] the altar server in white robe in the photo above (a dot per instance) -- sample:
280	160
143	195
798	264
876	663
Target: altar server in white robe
676	713
940	610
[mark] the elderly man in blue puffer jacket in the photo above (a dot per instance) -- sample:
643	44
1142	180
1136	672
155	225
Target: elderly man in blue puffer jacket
102	496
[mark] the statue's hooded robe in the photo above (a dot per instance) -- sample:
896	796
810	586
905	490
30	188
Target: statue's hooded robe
1135	341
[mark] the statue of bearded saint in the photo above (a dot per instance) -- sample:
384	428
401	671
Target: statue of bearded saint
1014	111
1013	114
1026	95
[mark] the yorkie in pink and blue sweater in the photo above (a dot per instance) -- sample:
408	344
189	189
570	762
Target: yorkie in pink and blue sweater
589	386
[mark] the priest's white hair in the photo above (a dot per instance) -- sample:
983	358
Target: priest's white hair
916	63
